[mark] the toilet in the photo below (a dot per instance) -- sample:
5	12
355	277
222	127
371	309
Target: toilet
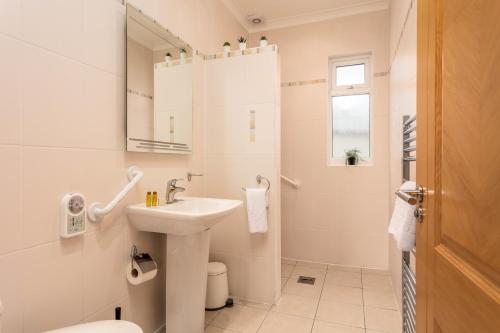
104	326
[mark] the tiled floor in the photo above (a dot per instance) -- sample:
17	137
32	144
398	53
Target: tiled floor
342	300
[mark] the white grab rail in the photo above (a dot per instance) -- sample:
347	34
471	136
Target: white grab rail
96	212
294	183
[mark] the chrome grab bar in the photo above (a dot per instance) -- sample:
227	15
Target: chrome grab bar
294	183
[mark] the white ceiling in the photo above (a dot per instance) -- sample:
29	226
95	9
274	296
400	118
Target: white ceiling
285	13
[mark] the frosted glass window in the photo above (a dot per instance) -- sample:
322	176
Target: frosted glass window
350	75
350	124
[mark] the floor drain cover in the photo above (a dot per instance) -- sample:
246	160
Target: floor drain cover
306	280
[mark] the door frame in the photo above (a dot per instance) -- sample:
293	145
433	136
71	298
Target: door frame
427	96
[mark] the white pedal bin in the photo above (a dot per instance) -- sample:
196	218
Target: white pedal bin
217	289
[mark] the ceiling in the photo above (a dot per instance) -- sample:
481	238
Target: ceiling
284	13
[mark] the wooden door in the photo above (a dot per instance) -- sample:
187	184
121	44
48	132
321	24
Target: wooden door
458	161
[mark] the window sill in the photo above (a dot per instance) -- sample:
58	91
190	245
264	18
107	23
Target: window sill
342	164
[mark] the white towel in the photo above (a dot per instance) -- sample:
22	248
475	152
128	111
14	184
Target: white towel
403	222
256	210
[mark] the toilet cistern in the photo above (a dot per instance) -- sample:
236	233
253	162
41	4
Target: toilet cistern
172	189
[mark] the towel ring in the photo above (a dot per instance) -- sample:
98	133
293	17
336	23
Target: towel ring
259	180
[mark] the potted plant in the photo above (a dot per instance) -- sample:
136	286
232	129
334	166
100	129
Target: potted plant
263	41
182	56
243	43
352	156
168	58
227	48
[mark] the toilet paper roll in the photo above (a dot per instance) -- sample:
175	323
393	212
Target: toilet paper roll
140	277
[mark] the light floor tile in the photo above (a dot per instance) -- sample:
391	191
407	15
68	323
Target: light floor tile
342	294
240	318
282	323
210	316
344	268
317	272
341	313
324	327
380	299
377	282
213	329
284	280
296	305
383	320
286	270
263	306
301	289
342	278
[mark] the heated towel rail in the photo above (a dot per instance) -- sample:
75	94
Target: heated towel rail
413	198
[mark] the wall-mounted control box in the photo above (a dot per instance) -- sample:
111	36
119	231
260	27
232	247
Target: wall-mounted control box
73	215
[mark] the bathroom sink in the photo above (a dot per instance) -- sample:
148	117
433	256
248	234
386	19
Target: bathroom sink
187	223
185	216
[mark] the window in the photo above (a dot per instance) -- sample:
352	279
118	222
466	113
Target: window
350	108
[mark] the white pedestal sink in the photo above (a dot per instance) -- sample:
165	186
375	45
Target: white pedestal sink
187	223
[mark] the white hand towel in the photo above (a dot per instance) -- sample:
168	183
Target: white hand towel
256	210
403	222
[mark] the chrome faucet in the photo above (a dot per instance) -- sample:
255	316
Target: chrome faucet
172	189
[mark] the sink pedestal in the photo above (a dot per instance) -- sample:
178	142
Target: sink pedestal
186	282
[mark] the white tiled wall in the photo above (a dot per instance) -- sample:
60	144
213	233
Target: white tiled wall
62	129
339	214
235	86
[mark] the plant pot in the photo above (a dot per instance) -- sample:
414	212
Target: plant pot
182	57
352	160
263	43
168	59
243	46
226	50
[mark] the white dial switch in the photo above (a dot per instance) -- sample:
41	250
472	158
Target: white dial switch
73	218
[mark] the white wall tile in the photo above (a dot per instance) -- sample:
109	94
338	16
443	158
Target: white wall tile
54	298
104	261
10	199
10	17
104	34
56	25
11	272
10	90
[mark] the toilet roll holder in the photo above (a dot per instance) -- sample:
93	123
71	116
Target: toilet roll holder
140	261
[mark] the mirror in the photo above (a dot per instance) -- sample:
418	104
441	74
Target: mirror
159	88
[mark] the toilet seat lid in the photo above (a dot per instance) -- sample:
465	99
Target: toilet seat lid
104	326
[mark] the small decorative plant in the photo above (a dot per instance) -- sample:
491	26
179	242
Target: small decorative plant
227	48
263	41
182	56
352	156
243	43
168	57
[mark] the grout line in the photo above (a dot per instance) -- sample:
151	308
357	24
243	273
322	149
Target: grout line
363	299
319	300
56	53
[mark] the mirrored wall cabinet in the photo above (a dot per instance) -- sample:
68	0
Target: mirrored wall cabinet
159	88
